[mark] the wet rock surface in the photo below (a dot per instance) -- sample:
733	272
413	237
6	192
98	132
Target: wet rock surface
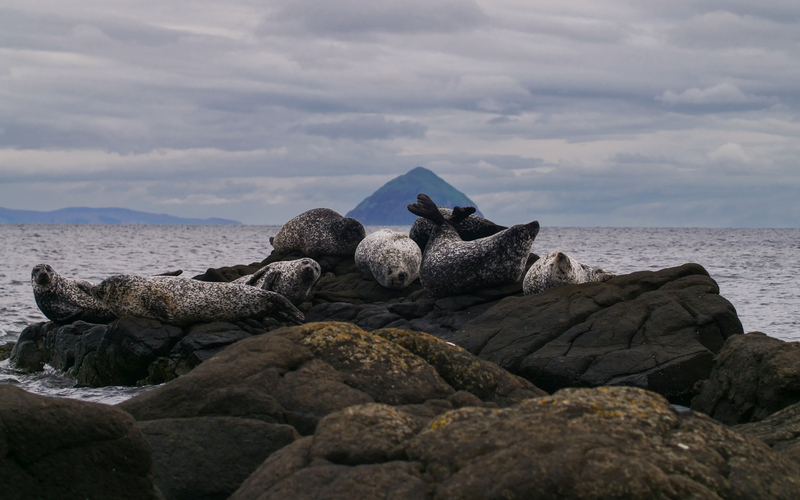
67	449
781	431
282	383
578	443
754	377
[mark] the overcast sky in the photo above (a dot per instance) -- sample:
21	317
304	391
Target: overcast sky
573	113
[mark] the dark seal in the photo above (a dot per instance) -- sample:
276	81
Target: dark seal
557	269
183	301
468	226
65	300
320	231
294	279
453	266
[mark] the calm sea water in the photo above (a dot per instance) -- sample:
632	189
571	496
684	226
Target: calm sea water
757	269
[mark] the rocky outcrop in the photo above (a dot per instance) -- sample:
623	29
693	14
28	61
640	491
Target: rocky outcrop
754	377
654	330
5	350
781	431
67	449
281	384
127	351
578	443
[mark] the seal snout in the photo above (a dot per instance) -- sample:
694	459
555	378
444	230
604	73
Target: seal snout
42	274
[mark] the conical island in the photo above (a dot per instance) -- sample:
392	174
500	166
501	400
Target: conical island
388	205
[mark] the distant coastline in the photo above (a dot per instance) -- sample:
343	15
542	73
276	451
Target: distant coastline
111	215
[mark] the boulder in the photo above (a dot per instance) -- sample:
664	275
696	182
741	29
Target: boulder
279	385
68	449
781	431
616	442
754	376
654	330
5	350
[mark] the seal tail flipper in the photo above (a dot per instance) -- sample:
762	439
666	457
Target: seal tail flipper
283	309
171	273
461	213
425	207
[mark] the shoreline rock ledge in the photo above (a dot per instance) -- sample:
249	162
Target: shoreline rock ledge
656	330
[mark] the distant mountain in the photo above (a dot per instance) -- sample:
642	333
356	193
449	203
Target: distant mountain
388	206
84	215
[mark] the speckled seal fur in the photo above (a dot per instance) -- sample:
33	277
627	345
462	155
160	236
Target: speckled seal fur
468	226
390	258
453	266
293	279
556	269
183	301
65	300
320	231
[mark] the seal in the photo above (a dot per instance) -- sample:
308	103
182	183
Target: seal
65	300
293	279
320	231
453	266
392	259
557	269
183	301
468	226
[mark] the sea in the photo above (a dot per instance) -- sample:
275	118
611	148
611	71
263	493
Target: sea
757	270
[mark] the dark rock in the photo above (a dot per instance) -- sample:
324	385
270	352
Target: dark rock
578	443
64	344
5	350
207	458
654	330
30	353
781	431
127	348
205	340
753	377
67	449
298	375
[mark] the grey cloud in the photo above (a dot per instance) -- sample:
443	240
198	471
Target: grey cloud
721	29
367	128
355	16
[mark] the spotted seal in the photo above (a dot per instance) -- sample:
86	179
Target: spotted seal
293	279
183	301
557	269
468	226
66	300
392	259
320	231
452	266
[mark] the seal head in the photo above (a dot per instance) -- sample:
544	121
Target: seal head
390	258
65	300
557	269
294	279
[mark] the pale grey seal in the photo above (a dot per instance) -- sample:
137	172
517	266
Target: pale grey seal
468	226
183	301
557	269
65	300
392	259
452	266
320	231
293	279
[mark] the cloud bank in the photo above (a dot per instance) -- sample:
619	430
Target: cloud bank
572	113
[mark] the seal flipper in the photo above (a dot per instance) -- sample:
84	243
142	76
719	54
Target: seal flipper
159	308
85	287
461	213
171	273
425	207
253	279
271	279
281	308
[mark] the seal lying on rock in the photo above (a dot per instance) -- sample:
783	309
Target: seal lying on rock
392	259
320	231
452	266
468	226
557	269
293	279
65	300
182	301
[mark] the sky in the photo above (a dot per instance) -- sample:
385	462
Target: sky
569	112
